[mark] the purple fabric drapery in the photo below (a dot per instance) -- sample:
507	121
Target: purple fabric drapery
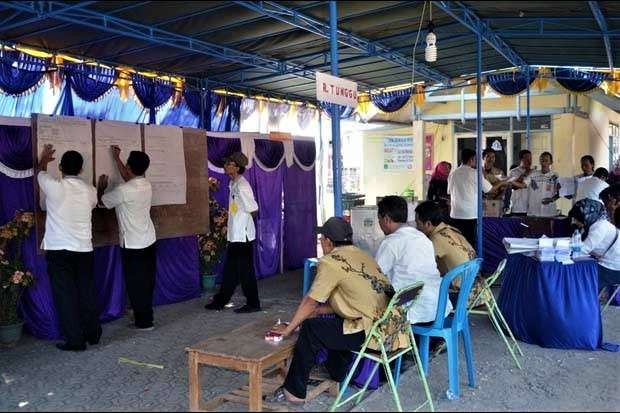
220	148
267	188
177	270
299	217
15	147
174	283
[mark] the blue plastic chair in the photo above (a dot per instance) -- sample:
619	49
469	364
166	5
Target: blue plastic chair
450	327
309	273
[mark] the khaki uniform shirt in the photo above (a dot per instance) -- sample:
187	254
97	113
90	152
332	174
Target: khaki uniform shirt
492	177
451	248
355	288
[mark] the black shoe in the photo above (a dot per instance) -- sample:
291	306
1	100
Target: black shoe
94	338
71	347
214	306
247	309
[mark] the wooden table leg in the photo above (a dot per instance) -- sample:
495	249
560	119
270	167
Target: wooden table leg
256	388
194	383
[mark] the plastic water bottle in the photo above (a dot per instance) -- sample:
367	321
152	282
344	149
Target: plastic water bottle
576	241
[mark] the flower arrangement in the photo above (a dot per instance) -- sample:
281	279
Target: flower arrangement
13	276
213	243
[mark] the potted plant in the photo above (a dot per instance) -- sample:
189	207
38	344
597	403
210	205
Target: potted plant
213	243
14	278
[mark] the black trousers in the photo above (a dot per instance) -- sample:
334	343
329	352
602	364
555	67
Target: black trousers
467	228
71	276
239	268
139	266
315	334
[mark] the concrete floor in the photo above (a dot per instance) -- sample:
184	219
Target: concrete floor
34	376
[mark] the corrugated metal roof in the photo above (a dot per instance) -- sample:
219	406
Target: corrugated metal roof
392	23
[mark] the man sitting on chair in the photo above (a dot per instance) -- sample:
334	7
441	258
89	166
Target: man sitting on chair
350	284
451	247
406	257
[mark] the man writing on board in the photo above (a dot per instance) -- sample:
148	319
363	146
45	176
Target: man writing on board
132	201
239	264
69	202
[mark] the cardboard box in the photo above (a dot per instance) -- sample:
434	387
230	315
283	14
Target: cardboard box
493	208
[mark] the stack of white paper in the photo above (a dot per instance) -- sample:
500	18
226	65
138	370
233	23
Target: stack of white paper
562	251
546	251
520	245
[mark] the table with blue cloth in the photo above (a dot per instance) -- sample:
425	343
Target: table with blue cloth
551	304
496	229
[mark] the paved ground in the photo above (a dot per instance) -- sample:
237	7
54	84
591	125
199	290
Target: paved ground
35	376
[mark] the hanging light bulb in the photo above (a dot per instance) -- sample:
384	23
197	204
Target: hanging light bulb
430	54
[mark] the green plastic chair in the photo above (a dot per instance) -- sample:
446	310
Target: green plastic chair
486	297
384	331
611	298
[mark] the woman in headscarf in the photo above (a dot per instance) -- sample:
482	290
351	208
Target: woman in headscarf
600	239
438	186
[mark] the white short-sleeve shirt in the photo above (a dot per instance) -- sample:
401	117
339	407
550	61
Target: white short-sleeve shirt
241	204
590	188
541	186
463	189
407	256
132	201
69	203
520	197
602	242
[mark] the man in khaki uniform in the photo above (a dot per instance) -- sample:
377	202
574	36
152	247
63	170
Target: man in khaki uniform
451	247
351	286
492	174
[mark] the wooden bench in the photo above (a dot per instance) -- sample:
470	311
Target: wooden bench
245	349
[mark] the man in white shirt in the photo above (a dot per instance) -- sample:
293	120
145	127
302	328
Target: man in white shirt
520	176
69	202
406	256
591	188
463	189
543	189
239	266
132	201
587	167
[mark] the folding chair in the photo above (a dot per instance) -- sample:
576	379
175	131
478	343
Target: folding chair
309	274
486	297
611	298
384	331
452	327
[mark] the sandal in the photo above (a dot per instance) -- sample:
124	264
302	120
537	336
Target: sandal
279	397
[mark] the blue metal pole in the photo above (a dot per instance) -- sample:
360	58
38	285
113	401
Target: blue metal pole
479	144
335	112
527	105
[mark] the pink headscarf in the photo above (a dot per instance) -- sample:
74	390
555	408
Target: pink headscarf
442	170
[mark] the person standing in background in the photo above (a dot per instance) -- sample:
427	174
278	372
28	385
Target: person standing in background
239	265
463	189
491	173
521	179
543	189
132	201
438	185
587	168
591	188
68	246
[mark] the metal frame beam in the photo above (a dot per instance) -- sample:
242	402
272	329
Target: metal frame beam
469	19
159	24
321	28
206	32
106	22
65	25
600	19
43	12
